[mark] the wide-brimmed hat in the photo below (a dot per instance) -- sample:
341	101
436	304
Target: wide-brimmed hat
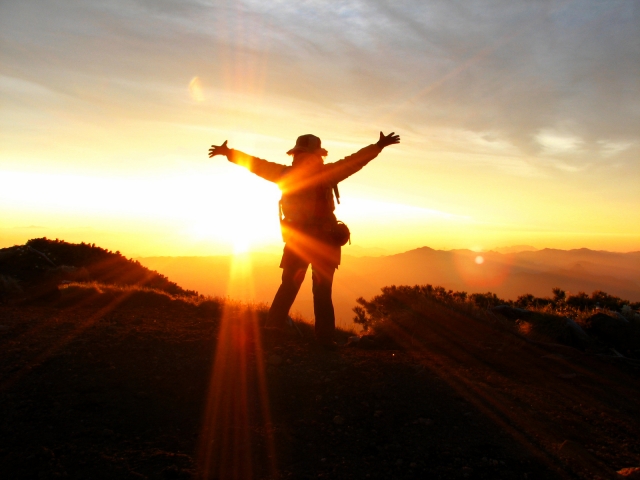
308	143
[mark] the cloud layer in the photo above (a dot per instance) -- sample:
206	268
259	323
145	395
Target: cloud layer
491	91
512	68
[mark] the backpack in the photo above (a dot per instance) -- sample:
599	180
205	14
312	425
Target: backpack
311	210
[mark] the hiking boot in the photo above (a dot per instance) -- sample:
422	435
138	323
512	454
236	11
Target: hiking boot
291	324
287	328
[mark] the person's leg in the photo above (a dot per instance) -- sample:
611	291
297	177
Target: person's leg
292	277
322	304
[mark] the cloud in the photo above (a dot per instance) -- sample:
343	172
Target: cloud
610	149
553	143
511	69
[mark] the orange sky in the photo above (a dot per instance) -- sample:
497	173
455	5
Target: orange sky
520	123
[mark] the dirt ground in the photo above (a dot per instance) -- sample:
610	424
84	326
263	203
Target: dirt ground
173	390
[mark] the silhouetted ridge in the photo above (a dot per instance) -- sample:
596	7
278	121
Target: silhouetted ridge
42	260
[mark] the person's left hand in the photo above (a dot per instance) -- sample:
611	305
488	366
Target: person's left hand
219	150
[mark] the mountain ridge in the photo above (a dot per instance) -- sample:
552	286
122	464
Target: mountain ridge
508	275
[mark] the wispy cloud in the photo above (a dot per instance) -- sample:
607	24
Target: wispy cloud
553	143
514	68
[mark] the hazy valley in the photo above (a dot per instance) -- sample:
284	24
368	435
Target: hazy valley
256	277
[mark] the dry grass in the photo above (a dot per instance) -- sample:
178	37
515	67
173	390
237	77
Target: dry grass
100	294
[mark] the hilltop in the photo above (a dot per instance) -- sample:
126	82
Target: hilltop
116	381
36	268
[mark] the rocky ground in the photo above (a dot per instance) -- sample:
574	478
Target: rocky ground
118	387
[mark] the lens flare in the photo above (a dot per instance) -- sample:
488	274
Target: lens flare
481	272
195	89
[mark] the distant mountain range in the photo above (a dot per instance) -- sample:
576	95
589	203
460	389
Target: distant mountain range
509	275
41	263
515	249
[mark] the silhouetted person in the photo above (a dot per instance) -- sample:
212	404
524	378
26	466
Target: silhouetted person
307	221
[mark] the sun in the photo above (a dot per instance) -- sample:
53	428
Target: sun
238	210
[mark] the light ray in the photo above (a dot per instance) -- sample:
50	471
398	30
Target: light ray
435	341
237	400
42	356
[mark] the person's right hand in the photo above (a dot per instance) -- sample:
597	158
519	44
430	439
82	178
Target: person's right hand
386	140
219	150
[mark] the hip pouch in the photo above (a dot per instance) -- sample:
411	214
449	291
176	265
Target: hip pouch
335	233
340	234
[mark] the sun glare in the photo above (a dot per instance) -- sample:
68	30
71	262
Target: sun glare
226	206
241	211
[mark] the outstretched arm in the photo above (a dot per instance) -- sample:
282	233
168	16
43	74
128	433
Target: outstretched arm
338	171
267	170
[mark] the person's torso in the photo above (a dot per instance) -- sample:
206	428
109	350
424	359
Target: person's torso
305	201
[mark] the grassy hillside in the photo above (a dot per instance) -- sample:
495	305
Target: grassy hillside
41	264
124	382
110	378
599	324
